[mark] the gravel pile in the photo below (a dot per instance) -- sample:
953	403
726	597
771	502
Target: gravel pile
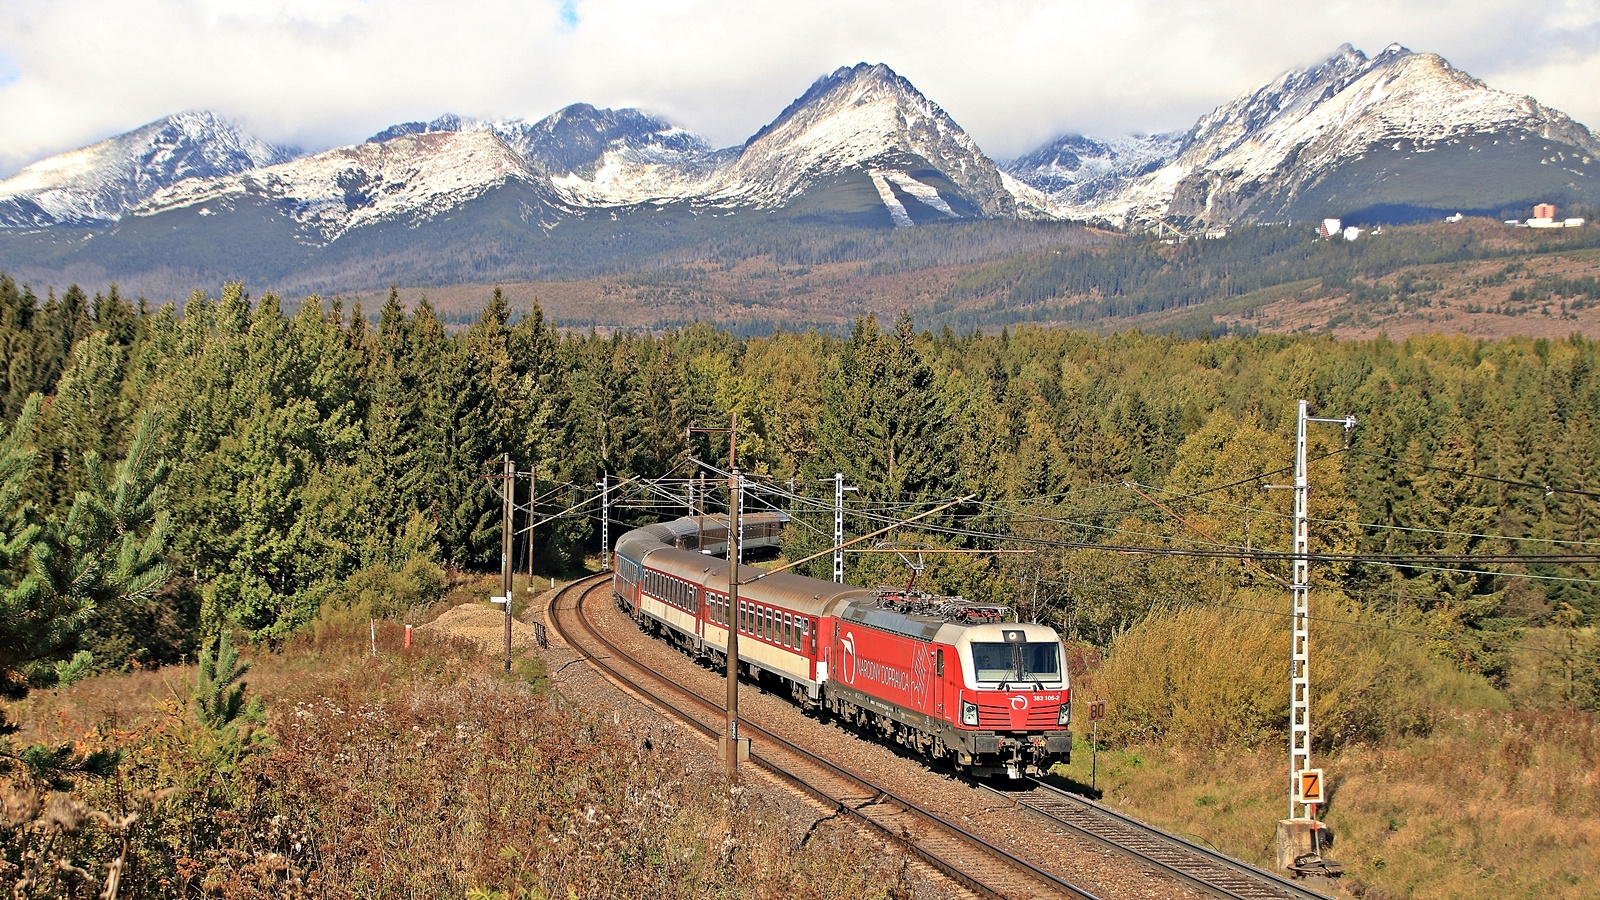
482	625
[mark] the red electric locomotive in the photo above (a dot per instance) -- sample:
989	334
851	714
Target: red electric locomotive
948	679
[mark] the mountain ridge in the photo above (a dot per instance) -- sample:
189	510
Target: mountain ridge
96	184
1263	155
1398	134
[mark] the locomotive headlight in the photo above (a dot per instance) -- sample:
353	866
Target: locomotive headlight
1064	717
969	713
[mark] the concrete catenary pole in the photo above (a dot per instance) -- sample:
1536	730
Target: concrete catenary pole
508	488
734	550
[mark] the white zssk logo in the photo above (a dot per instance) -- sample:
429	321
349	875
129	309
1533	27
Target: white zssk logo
849	646
1019	702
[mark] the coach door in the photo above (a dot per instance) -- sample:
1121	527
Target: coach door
938	682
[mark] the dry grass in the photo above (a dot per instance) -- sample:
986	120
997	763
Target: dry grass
1489	805
1437	790
427	773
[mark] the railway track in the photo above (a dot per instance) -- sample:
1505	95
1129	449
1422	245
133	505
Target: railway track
967	858
1206	869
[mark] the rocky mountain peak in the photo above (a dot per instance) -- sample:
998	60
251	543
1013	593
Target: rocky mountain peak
865	118
97	184
445	123
577	138
1396	131
1074	170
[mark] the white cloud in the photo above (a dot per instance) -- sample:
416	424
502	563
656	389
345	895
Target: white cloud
1014	73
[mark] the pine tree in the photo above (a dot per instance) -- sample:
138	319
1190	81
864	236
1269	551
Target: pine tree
35	622
108	560
219	703
86	417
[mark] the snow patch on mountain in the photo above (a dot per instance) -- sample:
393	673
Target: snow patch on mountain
924	193
96	185
897	210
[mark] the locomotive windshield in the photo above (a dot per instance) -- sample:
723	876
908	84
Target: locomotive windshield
1036	661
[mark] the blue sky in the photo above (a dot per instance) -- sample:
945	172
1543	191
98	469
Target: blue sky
317	73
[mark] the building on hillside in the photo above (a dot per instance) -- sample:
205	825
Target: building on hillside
1352	233
1331	227
1217	232
1573	223
1455	218
1544	210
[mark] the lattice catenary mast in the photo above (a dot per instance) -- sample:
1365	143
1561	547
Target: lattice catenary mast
1300	657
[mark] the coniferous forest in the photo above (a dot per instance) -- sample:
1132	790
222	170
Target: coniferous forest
257	467
232	466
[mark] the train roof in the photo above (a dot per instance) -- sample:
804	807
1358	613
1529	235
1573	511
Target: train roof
810	596
641	541
922	628
915	614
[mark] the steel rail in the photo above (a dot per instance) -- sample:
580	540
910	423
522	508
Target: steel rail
1202	867
874	793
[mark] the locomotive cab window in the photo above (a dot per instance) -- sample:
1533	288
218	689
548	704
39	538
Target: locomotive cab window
1031	661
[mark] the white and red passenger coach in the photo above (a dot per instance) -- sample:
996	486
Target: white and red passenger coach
949	679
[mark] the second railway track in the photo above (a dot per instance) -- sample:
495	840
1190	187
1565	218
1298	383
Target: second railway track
1206	869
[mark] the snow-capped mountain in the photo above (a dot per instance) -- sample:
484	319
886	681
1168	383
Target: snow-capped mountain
867	120
862	139
1399	130
96	185
408	178
596	157
616	157
587	189
1075	171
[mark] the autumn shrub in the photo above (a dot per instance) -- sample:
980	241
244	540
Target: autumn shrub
383	592
1210	677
